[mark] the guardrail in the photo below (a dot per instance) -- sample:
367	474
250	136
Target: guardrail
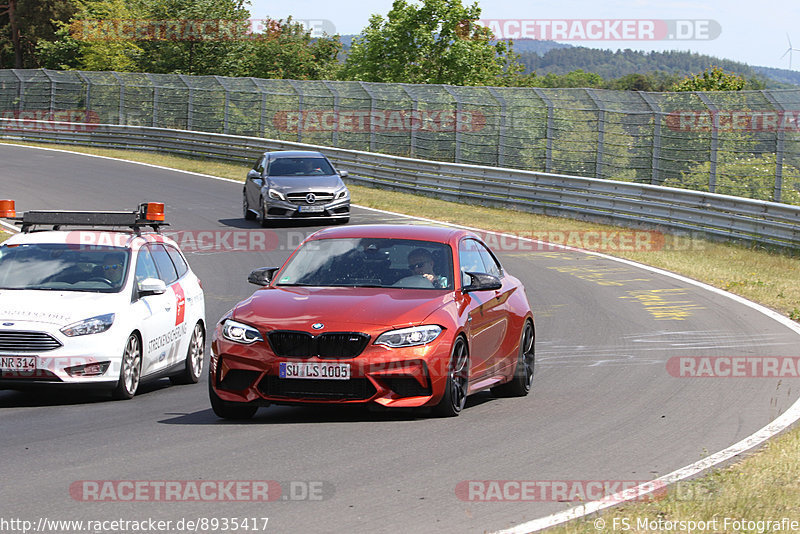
625	203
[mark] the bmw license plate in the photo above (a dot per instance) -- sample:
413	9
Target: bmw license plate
319	371
311	209
17	363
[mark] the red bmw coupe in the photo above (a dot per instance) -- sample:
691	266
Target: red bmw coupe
401	316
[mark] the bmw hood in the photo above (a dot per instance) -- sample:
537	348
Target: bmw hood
345	308
59	308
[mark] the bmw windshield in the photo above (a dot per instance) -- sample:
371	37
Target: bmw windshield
370	262
63	267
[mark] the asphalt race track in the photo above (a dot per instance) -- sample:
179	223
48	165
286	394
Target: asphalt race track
604	406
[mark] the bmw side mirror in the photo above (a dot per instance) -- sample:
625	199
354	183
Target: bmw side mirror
344	174
482	282
151	286
262	276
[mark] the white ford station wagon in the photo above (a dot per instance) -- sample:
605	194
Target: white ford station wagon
96	307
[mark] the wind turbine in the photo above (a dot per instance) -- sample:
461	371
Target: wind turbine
789	51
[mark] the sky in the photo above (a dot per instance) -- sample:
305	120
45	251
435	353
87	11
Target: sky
753	32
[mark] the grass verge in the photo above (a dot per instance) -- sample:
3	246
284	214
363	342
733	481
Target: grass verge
763	487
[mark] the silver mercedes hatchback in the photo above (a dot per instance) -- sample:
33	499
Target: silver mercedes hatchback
295	185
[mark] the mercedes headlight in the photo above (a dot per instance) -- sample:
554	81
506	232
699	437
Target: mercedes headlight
277	195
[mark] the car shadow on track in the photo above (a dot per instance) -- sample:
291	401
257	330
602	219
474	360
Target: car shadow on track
291	415
32	396
278	223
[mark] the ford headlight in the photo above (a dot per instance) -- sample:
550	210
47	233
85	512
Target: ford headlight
409	337
93	325
240	333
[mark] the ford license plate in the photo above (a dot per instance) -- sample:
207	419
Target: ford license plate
17	363
319	371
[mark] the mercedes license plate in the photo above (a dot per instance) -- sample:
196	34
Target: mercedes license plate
311	209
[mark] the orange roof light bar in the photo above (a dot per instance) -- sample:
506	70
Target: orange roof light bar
7	208
153	211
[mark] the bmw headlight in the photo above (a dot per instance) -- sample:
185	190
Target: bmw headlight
277	195
240	333
93	325
409	337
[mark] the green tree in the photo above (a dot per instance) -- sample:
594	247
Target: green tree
286	50
83	44
197	49
24	24
437	42
204	37
713	79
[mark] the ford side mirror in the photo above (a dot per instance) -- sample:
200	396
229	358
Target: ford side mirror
151	286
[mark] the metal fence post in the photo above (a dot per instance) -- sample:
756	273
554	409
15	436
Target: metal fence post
121	83
459	110
780	136
335	93
227	104
501	130
189	103
371	114
712	177
299	94
412	134
657	118
601	130
88	98
20	91
52	90
548	152
154	122
262	121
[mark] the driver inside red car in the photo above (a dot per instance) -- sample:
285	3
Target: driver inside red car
420	262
